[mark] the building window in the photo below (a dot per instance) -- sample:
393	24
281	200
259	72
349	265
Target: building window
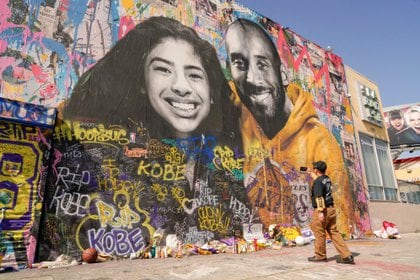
369	105
409	192
378	168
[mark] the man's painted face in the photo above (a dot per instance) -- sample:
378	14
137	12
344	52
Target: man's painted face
177	85
414	121
255	71
397	123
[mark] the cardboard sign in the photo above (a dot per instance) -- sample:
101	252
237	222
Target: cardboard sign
253	231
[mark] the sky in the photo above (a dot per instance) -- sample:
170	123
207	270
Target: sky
380	39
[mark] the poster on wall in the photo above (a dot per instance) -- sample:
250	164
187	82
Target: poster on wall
190	118
403	125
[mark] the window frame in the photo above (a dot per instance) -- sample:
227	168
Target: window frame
378	192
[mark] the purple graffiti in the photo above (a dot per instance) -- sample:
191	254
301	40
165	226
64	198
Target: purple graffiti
117	241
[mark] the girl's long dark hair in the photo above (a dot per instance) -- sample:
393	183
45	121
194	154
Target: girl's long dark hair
111	91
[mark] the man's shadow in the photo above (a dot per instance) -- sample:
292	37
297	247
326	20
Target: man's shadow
336	257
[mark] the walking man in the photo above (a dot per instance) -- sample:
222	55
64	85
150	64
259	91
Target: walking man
324	217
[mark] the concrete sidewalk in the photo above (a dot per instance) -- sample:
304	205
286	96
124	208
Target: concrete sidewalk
375	259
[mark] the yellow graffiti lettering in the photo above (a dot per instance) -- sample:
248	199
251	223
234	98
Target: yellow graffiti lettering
174	157
96	134
63	131
112	182
213	219
257	154
100	134
19	165
167	172
127	217
179	194
161	192
18	132
110	169
106	213
156	170
143	168
157	149
224	159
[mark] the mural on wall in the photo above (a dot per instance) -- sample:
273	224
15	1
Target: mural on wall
24	154
403	124
188	117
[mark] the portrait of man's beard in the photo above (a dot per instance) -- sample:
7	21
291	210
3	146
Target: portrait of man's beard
268	111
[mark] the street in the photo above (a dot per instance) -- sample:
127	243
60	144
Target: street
375	259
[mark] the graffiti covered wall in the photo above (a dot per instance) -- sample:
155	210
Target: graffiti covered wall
190	117
25	143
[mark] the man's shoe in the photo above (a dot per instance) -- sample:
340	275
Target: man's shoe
315	259
348	260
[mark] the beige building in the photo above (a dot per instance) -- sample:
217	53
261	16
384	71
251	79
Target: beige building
385	202
407	171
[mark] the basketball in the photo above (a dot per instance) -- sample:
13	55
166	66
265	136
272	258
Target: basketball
300	241
89	255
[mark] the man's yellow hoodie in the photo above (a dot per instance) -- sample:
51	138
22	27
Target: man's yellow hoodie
272	165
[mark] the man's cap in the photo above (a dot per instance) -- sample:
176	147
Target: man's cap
320	165
395	114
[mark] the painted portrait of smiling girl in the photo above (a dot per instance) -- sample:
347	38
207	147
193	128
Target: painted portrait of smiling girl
161	74
177	85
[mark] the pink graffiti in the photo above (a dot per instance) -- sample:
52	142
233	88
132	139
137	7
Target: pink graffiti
4	24
30	242
57	159
364	224
6	61
35	38
48	90
3	46
5	14
39	75
361	197
64	6
41	138
318	74
126	24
